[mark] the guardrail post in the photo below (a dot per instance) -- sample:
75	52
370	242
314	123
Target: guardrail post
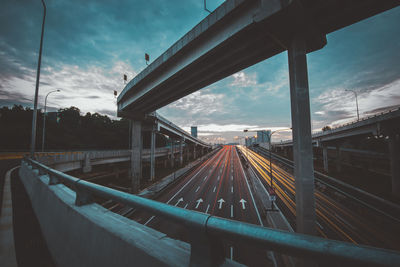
53	180
82	196
205	250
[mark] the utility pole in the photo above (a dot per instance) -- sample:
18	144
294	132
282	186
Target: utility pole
44	117
34	117
355	93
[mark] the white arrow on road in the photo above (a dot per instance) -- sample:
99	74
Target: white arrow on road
198	202
243	201
220	203
179	201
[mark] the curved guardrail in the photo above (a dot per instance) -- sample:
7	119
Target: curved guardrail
208	231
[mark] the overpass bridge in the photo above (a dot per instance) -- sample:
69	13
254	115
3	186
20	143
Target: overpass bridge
239	34
384	125
236	35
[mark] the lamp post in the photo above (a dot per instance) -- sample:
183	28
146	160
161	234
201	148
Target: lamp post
45	115
355	93
270	162
34	117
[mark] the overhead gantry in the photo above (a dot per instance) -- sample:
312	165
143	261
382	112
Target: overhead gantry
239	34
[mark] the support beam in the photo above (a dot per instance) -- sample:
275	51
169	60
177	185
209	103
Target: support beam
394	150
325	157
338	159
181	152
152	154
302	145
172	158
87	167
136	157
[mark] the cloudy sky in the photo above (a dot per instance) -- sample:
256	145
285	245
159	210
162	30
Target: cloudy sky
89	45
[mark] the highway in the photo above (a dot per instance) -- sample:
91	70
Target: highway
337	216
219	187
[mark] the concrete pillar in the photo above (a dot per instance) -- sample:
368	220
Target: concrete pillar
302	145
165	163
152	154
394	152
194	151
325	157
181	152
136	156
172	158
338	159
187	152
87	167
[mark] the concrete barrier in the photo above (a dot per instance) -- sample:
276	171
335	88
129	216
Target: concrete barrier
91	235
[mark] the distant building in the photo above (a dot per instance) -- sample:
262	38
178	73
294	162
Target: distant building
193	131
263	138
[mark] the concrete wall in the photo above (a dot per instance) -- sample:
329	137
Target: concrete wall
91	235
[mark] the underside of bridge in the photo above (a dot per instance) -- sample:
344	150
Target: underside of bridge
239	34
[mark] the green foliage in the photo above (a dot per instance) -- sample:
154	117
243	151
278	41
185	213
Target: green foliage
72	131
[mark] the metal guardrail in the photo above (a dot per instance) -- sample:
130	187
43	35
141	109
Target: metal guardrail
207	231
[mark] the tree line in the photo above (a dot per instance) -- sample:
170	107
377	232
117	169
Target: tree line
67	129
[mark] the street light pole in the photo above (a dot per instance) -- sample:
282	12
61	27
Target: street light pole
44	117
355	93
34	117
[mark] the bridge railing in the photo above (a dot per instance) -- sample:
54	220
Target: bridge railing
207	231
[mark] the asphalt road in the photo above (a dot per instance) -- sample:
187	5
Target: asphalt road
337	217
219	187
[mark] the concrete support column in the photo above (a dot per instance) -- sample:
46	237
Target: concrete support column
194	151
187	152
172	158
87	167
181	152
338	159
302	146
152	154
394	152
325	157
136	156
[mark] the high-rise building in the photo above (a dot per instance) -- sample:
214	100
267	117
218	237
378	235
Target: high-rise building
263	136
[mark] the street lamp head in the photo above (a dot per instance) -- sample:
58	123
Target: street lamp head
58	90
245	130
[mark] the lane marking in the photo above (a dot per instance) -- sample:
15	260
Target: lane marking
207	208
232	177
251	194
231	211
231	253
197	189
151	218
220	201
243	203
217	155
198	202
232	189
186	205
204	178
218	178
320	226
179	201
215	188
